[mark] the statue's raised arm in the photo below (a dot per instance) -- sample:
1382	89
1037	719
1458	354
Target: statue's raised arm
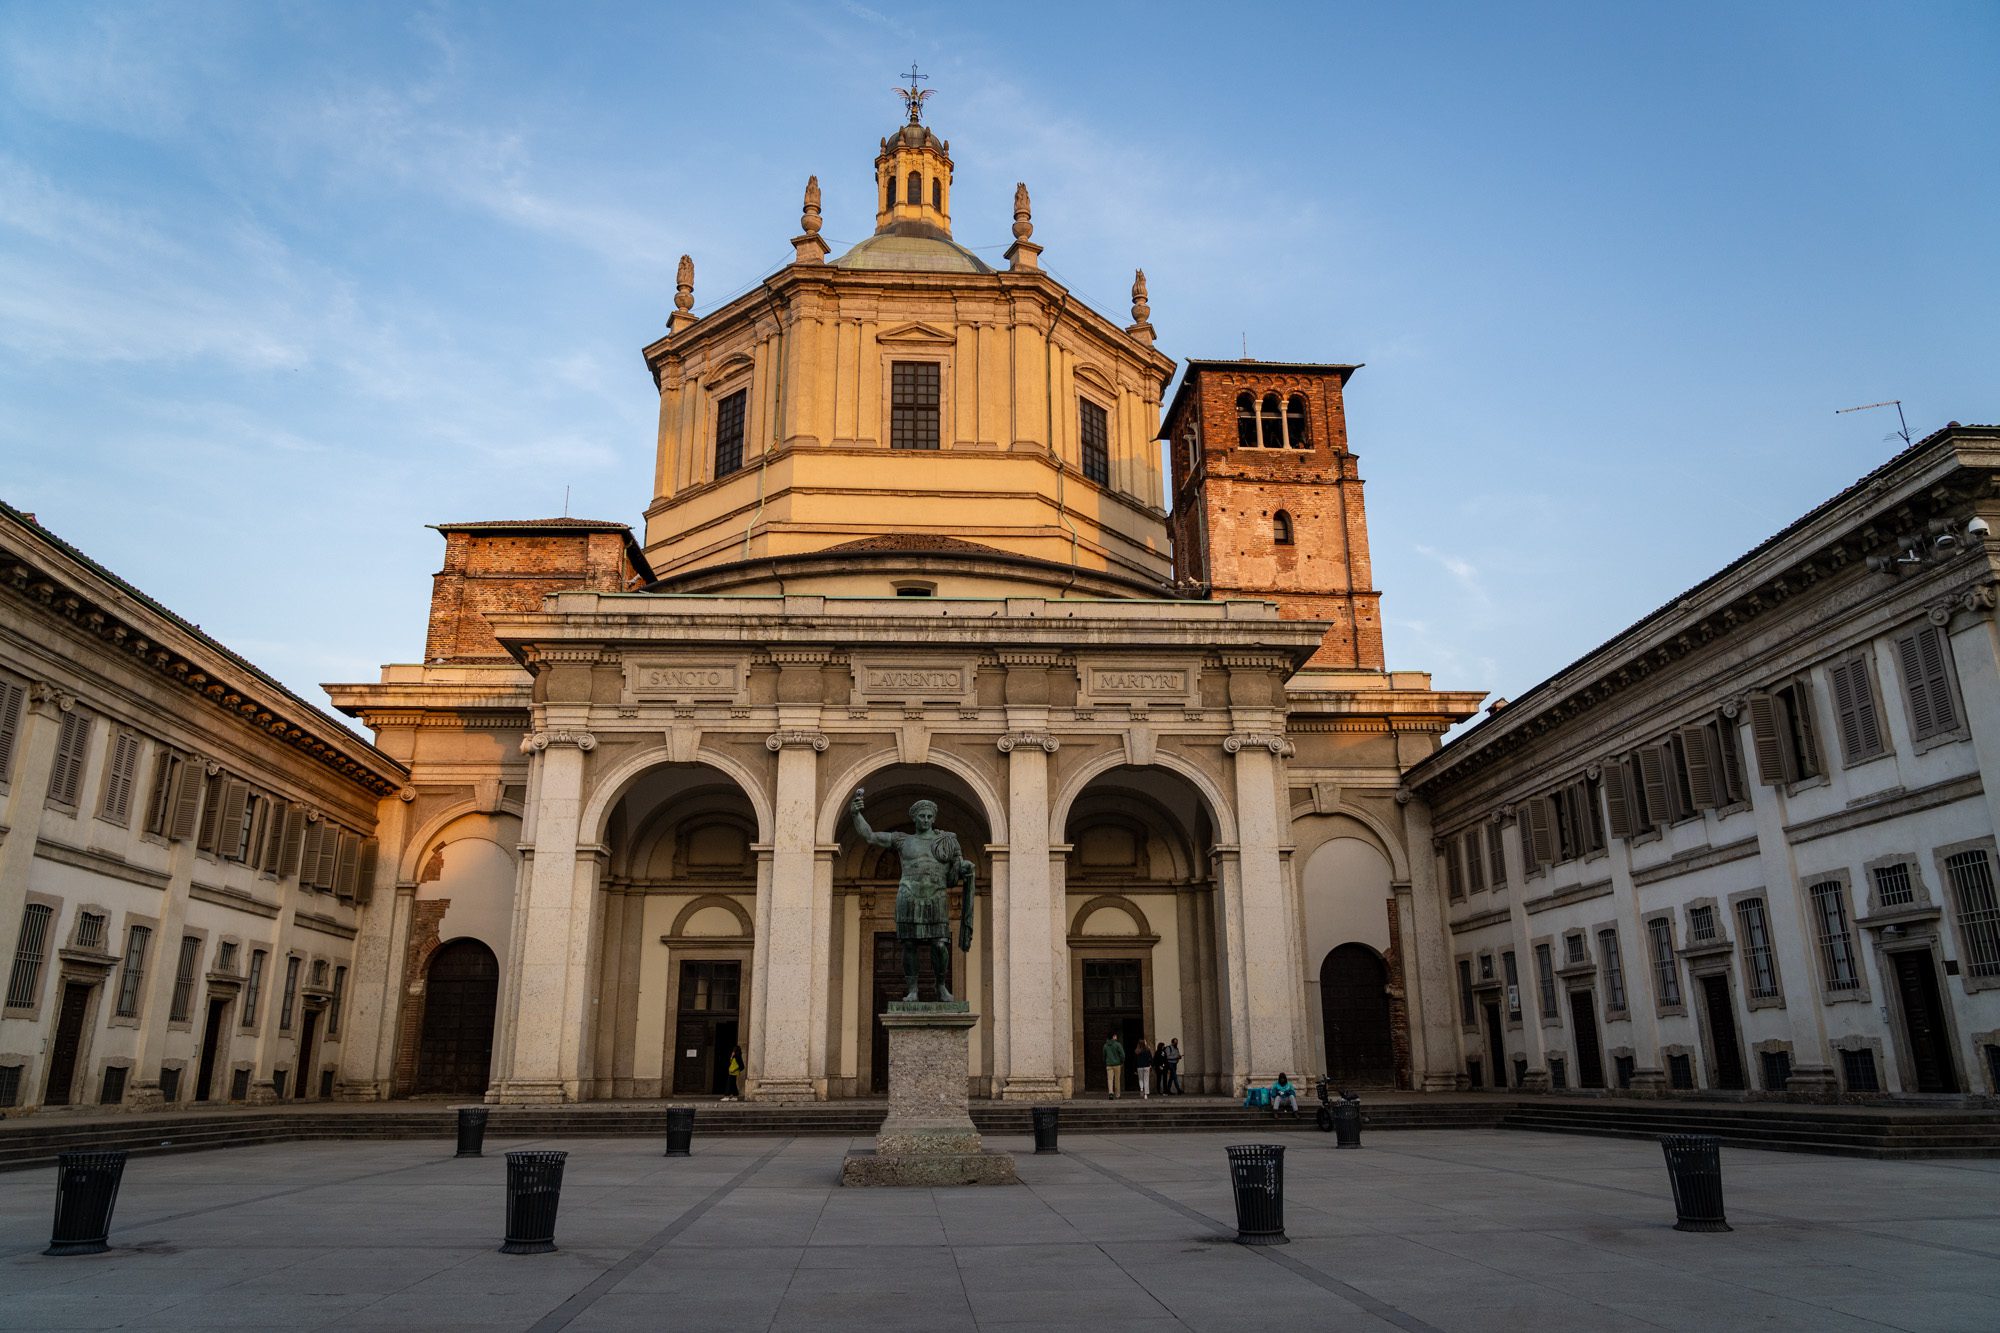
867	835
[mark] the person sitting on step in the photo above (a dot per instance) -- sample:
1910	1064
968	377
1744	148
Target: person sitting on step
1284	1095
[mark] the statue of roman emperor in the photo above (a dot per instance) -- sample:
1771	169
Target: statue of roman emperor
932	863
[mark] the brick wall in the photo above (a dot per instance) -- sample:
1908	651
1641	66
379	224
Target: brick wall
511	571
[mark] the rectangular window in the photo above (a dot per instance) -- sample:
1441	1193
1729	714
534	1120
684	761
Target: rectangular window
1854	710
729	433
134	974
1760	965
113	1091
72	748
1623	1067
120	775
243	847
170	1084
1093	429
1680	1072
1614	970
183	1002
1925	657
1496	858
1729	760
1575	950
213	786
1468	1007
1454	874
253	988
913	404
1858	1069
89	930
26	981
1782	729
159	805
1545	977
1558	1074
1777	1070
225	958
239	1085
290	999
1666	968
1701	924
1892	885
1513	985
1475	861
10	1085
333	1004
1836	942
12	696
1972	888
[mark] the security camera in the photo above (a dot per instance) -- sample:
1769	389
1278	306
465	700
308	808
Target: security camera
1978	529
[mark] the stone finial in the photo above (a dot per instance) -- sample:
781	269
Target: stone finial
1141	312
809	220
807	246
683	296
1023	253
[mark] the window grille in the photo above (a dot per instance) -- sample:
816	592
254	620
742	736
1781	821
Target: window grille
1858	1067
1558	1073
1513	985
170	1084
289	1001
325	1083
1777	1070
1978	911
183	1003
729	433
252	988
11	697
113	1091
72	745
10	1085
119	777
239	1085
1545	975
1578	950
89	930
1680	1072
333	1004
1614	970
913	399
1666	968
1624	1066
1701	924
25	982
1925	657
1836	943
1892	885
1760	964
1093	430
134	974
319	973
225	958
1468	1009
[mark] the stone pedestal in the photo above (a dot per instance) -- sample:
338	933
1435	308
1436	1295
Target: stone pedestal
928	1138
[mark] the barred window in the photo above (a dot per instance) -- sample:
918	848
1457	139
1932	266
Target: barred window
729	433
1777	1069
253	988
1892	885
1759	962
26	981
89	930
1836	942
1513	985
289	1001
1614	969
1093	428
1468	1007
1858	1068
333	1004
1978	911
183	1002
1576	950
913	404
134	975
1701	924
113	1091
10	1085
1680	1072
1545	976
1666	968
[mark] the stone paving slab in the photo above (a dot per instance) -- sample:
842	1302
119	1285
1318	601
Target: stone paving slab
1442	1230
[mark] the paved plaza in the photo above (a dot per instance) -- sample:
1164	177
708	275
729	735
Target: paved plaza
1449	1230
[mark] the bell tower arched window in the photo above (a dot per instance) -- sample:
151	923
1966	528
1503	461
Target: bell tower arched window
892	190
937	193
1295	422
1270	426
1246	421
915	191
1281	528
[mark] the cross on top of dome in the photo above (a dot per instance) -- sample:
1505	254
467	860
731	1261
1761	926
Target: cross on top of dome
913	96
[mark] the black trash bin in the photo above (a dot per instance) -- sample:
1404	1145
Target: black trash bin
1257	1172
471	1131
1047	1118
534	1188
680	1131
86	1190
1347	1121
1694	1164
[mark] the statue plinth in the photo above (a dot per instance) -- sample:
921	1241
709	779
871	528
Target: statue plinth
928	1137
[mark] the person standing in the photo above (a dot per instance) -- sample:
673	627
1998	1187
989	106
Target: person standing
1167	1061
1142	1065
736	1072
1114	1064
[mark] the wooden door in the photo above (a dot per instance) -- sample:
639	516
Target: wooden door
1589	1055
69	1042
1354	1010
1923	1022
1114	1000
460	996
1722	1032
705	1030
211	1042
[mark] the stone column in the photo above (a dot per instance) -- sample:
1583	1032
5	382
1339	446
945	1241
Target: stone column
1231	1061
999	897
368	1028
1975	656
1427	971
1263	915
793	941
35	756
1036	947
1534	1042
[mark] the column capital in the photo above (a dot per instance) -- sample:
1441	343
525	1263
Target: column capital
1275	742
537	741
44	697
1047	743
778	740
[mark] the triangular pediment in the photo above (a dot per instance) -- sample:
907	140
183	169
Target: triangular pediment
917	335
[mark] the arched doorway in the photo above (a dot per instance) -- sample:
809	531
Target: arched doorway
461	992
1354	1005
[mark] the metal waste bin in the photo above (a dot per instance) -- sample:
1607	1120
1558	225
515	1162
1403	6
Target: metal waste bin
680	1131
534	1188
86	1190
1047	1118
1347	1121
1257	1173
1694	1164
471	1131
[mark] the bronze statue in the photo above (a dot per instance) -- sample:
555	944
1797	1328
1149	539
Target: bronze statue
932	864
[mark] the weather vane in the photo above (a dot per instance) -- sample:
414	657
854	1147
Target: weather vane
913	96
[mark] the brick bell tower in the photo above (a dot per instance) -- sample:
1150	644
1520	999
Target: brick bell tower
1267	500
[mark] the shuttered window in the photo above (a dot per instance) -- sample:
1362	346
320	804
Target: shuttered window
72	747
729	433
1094	433
120	777
1925	658
1496	858
1614	970
1972	887
290	999
1513	972
1854	710
25	982
1666	967
1836	941
253	988
160	804
1475	862
133	976
294	837
1545	978
12	697
1454	876
190	960
190	782
228	843
1781	729
333	1004
1760	964
913	404
1468	1006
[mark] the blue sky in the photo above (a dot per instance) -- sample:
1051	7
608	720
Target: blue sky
280	283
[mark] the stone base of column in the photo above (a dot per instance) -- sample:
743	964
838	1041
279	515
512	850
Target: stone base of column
1033	1090
1648	1083
144	1097
262	1094
368	1090
928	1138
1813	1083
1535	1080
531	1092
1440	1082
781	1091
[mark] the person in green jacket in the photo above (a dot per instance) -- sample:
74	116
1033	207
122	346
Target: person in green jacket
1114	1064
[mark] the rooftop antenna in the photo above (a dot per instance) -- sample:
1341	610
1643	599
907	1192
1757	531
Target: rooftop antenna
565	502
1903	427
1246	345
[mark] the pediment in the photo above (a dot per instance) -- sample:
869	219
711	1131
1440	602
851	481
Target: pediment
917	335
1094	375
730	366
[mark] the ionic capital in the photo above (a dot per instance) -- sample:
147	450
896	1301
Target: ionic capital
537	741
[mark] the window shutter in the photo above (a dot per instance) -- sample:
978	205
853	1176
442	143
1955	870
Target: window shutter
1934	652
1475	864
309	853
1854	705
344	867
11	696
67	776
118	778
364	873
1808	763
1704	782
235	795
1772	752
1653	773
1496	856
1454	881
1542	826
288	849
1615	779
187	798
329	855
1524	833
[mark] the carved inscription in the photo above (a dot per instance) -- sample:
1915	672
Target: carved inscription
686	680
1106	681
912	682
